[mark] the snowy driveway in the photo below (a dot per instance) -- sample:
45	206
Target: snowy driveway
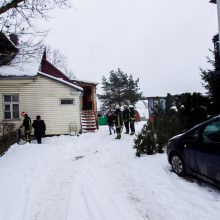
95	177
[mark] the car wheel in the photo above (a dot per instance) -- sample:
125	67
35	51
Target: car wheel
178	165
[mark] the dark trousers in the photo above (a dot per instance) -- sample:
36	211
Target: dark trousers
118	130
111	128
27	135
38	136
132	126
127	126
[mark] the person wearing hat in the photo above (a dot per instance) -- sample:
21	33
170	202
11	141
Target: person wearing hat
132	119
39	128
126	116
118	121
27	126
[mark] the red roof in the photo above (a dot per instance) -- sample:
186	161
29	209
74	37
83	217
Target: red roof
50	69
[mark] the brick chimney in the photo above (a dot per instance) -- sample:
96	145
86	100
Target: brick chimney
14	39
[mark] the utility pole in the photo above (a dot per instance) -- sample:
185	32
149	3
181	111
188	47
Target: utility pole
218	11
217	37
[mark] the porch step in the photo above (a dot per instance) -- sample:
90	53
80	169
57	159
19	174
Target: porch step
88	121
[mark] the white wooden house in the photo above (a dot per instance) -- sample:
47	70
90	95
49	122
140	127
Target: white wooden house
57	101
38	87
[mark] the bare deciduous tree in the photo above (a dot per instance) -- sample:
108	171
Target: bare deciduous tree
19	17
58	59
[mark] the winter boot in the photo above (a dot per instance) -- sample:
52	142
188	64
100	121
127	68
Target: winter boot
118	136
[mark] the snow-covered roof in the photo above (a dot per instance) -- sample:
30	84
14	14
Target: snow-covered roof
61	80
5	38
86	81
21	65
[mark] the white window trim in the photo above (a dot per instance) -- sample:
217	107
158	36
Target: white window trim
67	99
11	103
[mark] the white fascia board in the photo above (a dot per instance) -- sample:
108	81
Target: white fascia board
61	80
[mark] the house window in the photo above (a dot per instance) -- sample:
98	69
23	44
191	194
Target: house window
11	106
67	101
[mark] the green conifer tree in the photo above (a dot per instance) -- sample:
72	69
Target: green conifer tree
119	88
145	142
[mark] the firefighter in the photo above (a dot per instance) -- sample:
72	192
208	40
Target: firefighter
126	116
27	126
118	121
132	119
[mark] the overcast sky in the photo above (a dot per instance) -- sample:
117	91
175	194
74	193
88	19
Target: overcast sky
161	42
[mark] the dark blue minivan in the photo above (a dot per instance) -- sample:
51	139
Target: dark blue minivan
197	151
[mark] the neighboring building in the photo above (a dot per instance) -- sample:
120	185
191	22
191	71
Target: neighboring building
142	110
37	87
152	102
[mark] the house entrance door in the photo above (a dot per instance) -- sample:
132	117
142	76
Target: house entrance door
87	98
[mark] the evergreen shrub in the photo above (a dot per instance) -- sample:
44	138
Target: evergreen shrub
145	142
175	117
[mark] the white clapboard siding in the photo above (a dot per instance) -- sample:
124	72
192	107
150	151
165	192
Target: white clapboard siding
42	96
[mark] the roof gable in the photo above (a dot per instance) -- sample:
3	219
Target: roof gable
50	69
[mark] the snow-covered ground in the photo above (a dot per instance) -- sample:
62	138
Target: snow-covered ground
95	177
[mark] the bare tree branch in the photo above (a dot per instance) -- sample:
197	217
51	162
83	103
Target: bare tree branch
58	59
20	17
10	5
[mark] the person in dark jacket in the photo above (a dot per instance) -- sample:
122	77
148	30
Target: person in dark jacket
27	126
126	116
132	119
39	128
118	121
110	121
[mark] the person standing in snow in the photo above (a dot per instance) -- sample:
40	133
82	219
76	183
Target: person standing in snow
110	121
27	126
118	121
132	119
126	116
39	128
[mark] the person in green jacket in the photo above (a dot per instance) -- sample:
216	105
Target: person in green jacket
132	119
118	121
27	126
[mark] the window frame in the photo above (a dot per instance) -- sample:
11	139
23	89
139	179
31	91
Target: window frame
10	103
67	99
206	135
